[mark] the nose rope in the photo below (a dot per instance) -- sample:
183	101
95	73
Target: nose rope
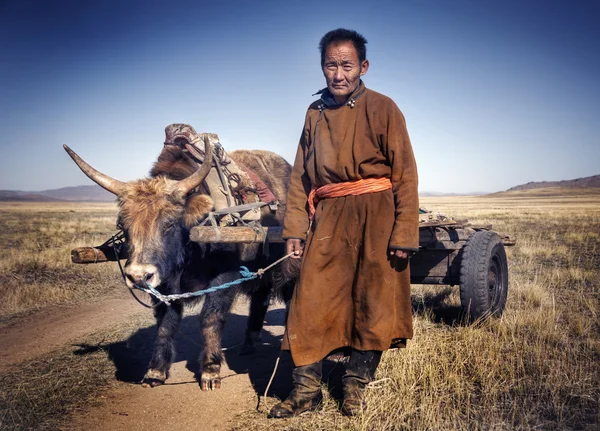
245	273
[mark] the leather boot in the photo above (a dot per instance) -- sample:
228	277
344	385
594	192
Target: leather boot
360	371
306	394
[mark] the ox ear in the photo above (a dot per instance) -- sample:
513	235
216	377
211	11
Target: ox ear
196	207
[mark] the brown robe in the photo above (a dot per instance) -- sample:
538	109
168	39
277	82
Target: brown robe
350	293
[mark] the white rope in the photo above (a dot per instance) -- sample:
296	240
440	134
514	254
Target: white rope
270	380
272	375
261	271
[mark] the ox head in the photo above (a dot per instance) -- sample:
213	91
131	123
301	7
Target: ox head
156	214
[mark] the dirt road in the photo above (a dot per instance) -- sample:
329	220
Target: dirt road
179	404
46	330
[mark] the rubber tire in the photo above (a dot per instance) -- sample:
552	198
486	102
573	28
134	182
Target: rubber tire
483	276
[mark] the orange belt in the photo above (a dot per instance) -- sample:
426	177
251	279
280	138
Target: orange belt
349	188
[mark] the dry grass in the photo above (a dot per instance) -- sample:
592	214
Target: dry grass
538	367
35	244
41	393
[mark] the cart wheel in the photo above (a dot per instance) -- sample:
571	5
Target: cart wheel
483	275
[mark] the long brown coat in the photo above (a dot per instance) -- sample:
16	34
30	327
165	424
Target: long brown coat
349	292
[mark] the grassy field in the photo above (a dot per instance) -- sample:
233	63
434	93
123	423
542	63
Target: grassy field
35	244
537	367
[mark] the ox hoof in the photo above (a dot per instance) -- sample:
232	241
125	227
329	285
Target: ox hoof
154	378
210	381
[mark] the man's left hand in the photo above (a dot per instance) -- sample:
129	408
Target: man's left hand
400	254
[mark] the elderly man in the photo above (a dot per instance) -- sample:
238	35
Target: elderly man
352	213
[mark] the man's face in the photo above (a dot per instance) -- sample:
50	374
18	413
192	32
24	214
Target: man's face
343	70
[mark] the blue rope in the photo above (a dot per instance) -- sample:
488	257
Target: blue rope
167	299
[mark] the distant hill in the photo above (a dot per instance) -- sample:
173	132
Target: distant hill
91	193
579	183
549	192
14	196
95	193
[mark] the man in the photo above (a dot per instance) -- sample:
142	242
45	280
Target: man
353	199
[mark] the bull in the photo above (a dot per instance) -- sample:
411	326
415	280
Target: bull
156	215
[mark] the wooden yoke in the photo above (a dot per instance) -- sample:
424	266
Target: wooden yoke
95	254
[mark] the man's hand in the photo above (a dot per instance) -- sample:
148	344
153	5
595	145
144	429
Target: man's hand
294	245
400	254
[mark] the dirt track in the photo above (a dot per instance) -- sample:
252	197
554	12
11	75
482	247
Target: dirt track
47	330
179	404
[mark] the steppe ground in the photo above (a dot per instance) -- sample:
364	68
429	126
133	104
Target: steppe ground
537	367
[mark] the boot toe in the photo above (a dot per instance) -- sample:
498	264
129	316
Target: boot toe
354	397
279	411
295	405
306	393
353	407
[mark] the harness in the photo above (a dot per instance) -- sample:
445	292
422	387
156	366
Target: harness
237	191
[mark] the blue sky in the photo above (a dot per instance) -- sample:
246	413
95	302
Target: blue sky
495	93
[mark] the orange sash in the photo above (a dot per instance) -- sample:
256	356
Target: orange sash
349	188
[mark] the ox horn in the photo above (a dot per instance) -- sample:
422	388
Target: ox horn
104	181
190	183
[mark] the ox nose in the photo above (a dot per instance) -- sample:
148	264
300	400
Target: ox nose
141	280
141	275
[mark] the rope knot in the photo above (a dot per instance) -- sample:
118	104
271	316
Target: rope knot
245	272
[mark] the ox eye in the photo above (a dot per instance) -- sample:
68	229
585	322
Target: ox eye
169	227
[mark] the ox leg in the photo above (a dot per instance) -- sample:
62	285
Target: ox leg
259	302
168	319
212	321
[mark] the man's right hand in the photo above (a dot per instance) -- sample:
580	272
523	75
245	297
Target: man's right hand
294	245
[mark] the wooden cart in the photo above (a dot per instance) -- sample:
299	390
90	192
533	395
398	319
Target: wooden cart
450	253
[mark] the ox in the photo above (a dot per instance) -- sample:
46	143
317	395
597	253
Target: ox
156	214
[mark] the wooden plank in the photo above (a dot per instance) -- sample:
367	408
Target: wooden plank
482	226
235	234
245	234
436	223
435	267
95	255
448	238
507	240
